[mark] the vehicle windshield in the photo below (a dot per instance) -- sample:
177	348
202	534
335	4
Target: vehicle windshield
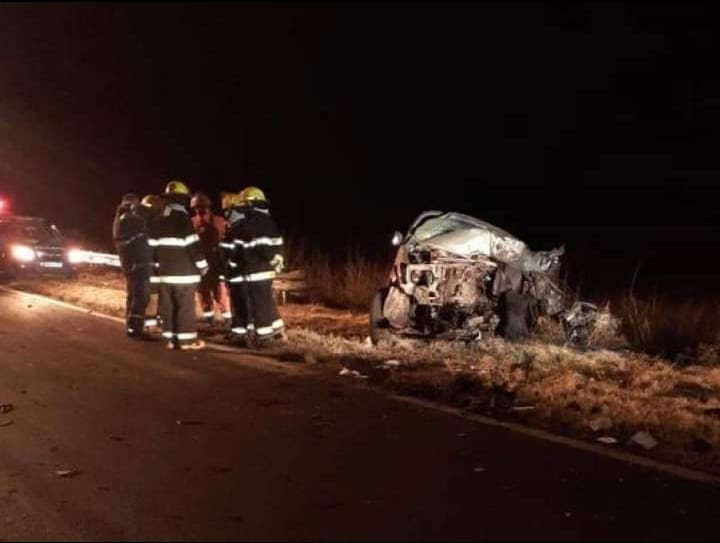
449	222
39	231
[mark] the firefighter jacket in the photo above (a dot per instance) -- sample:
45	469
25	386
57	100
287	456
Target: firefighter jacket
253	241
210	228
130	234
179	259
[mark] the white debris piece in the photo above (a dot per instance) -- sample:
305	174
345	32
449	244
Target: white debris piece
600	423
645	440
345	372
607	440
393	363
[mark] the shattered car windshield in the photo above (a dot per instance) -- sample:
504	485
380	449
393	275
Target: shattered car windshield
450	222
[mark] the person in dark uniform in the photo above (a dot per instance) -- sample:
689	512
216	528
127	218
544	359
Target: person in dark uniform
253	249
130	234
180	264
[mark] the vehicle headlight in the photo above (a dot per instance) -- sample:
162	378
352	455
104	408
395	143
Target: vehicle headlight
75	256
22	253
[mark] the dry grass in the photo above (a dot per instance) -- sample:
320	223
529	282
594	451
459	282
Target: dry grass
667	328
350	283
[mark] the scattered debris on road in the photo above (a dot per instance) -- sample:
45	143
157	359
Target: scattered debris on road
607	440
67	473
345	372
188	422
645	440
6	408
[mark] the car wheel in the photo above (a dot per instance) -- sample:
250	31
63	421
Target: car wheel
379	325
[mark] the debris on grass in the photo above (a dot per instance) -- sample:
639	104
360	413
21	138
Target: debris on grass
345	372
645	440
607	440
600	423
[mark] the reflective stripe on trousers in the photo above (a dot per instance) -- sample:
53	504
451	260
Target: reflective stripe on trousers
260	276
182	336
275	327
175	279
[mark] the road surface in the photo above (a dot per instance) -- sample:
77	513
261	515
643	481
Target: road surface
277	454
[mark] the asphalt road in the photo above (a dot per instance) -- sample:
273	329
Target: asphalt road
268	453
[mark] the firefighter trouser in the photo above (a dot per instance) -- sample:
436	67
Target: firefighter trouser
176	304
254	309
138	297
213	293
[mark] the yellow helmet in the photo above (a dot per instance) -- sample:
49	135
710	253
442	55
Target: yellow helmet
177	187
250	194
153	202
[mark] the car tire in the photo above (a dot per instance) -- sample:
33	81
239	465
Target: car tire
379	325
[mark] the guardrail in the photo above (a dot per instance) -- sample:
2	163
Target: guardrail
287	285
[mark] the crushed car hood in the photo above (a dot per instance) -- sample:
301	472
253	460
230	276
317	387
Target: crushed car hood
467	237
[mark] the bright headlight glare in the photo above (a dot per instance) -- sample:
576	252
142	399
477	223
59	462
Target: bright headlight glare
22	253
75	256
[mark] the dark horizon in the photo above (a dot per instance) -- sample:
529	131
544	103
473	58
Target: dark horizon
593	125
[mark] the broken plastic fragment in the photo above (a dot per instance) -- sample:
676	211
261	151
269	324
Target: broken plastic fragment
600	423
352	373
67	473
645	440
607	440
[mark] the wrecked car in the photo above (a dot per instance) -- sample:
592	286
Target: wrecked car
458	277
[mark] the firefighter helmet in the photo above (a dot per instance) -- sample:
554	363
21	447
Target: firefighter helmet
177	187
153	202
200	199
252	194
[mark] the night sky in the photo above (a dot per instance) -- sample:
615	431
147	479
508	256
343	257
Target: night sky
596	125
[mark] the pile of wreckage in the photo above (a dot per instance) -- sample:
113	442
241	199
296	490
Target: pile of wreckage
459	277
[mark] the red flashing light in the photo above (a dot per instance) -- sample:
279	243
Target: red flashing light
3	206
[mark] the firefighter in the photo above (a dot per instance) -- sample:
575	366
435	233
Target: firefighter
152	207
180	266
130	234
254	249
211	230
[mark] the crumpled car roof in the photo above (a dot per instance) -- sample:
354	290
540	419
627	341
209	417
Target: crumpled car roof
465	236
